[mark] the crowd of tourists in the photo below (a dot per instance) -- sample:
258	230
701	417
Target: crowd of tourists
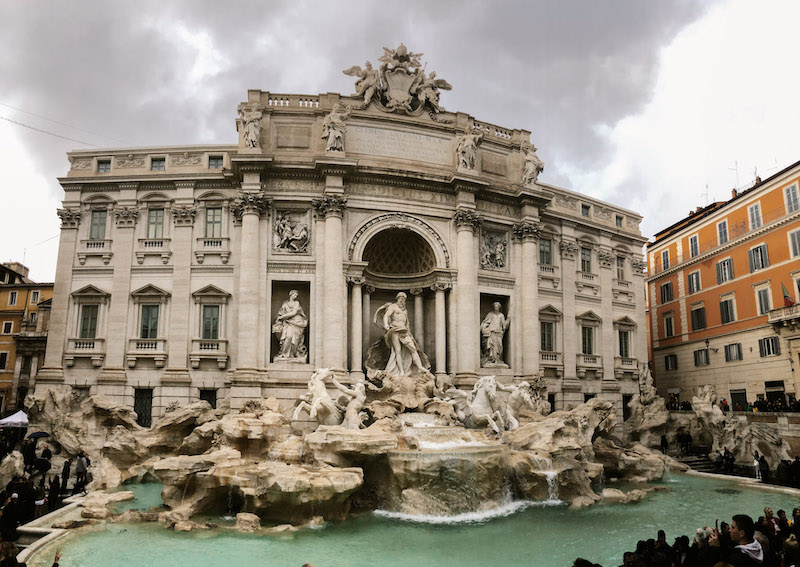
770	541
760	405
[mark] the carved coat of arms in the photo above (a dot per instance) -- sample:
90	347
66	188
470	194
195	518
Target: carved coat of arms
400	85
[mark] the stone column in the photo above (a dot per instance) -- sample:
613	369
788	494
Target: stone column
572	388
332	208
59	330
366	326
441	331
249	207
419	317
467	223
356	333
179	335
528	232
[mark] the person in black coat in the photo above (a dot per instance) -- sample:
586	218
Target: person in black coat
10	518
65	474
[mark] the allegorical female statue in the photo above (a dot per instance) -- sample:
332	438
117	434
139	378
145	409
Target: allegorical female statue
493	328
290	327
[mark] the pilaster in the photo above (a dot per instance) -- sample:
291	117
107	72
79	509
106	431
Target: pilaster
467	360
528	233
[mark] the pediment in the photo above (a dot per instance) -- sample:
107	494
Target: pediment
211	293
550	310
625	321
589	316
90	291
150	291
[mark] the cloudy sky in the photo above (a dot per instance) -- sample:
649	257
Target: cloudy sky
643	104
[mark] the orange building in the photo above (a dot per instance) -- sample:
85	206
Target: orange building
715	292
24	319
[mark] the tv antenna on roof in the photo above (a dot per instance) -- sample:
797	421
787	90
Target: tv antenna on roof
705	195
735	168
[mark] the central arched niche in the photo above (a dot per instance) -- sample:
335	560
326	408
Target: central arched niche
399	251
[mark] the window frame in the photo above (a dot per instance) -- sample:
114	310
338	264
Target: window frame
670	292
7	325
216	329
103	166
694	246
758	257
214	222
669	330
619	220
149	328
701	357
724	269
701	309
723	224
35	296
586	210
549	251
155	226
769	346
587	332
626	334
791	198
693	286
13	296
767	291
730	352
671	361
83	331
665	260
95	216
794	243
727	309
751	217
586	260
621	268
213	159
161	160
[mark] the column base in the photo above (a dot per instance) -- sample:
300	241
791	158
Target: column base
50	376
112	376
246	385
176	377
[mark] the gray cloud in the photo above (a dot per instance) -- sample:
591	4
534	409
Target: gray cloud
559	69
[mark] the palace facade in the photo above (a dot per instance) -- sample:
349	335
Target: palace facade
176	264
720	289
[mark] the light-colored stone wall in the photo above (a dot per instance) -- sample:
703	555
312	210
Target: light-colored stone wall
395	172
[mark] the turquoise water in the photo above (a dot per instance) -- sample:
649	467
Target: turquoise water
145	495
541	536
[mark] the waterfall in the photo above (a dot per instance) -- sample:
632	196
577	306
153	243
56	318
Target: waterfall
552	485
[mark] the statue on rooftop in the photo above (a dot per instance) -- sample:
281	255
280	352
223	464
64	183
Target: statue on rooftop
467	149
368	84
533	165
333	128
251	119
428	90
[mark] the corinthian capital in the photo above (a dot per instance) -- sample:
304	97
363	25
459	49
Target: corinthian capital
250	202
527	230
330	205
184	216
70	218
466	219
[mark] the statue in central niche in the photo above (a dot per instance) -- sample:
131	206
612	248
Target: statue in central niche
395	363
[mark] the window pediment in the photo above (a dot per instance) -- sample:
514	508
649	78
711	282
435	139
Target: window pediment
211	294
90	294
624	322
549	313
589	317
150	292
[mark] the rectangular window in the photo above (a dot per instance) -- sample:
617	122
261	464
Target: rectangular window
769	346
794	238
665	260
694	282
103	166
587	340
671	362
621	268
618	221
97	226
8	327
669	326
155	223
792	201
698	318
12	297
694	246
149	322
764	302
625	344
724	270
214	222
214	162
143	406
548	336
586	260
758	257
89	321
32	317
726	311
35	297
210	322
701	357
722	232
733	352
586	210
755	216
666	292
546	252
158	164
3	360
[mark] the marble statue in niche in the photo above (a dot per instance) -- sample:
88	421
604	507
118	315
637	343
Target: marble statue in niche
493	329
290	327
291	232
494	246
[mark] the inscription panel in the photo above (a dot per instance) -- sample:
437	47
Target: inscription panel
394	143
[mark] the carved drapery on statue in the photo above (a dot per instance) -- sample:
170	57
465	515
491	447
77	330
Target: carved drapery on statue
533	165
290	328
333	128
251	125
467	150
401	84
291	232
493	329
494	246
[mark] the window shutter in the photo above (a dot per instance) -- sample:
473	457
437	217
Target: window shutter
777	344
719	272
751	259
761	348
765	256
730	267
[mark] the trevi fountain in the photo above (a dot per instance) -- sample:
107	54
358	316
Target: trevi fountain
399	462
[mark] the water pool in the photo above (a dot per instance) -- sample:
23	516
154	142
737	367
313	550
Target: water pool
545	536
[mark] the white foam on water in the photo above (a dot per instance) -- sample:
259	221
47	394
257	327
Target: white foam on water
444	445
468	517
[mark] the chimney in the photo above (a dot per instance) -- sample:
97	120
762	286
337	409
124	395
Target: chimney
698	209
758	179
17	267
734	193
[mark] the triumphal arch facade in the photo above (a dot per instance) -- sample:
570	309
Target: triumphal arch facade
235	270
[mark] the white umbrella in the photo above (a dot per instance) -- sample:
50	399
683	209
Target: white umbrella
19	419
